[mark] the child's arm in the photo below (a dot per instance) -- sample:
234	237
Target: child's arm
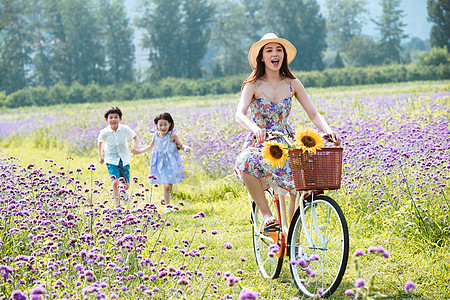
136	144
100	152
146	149
176	139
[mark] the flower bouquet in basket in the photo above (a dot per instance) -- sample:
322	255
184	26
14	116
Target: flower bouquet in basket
313	167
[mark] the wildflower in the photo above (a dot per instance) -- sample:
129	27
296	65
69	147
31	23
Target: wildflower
18	295
359	282
5	271
248	294
242	258
349	292
228	245
308	139
409	285
359	252
214	232
274	153
183	281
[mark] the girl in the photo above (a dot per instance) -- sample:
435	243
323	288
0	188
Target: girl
166	162
267	93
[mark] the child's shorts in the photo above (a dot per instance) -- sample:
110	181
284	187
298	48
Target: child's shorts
119	171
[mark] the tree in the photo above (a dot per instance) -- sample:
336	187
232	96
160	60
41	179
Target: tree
362	51
344	21
338	62
118	36
439	14
75	41
16	44
300	22
235	28
196	35
391	26
162	36
176	34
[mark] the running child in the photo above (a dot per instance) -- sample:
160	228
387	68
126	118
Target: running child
166	161
114	141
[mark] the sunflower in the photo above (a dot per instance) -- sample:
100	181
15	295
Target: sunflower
308	139
274	153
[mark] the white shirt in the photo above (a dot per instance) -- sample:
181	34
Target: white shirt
116	144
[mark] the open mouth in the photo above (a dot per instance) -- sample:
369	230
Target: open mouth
275	61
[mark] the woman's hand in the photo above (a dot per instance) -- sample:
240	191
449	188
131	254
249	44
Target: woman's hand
261	135
335	138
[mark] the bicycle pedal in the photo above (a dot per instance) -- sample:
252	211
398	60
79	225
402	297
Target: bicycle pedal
272	229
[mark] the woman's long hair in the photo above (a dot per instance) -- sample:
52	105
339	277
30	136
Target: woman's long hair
261	68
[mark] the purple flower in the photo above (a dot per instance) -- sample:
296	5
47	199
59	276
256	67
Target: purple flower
5	271
359	252
409	285
248	294
228	245
359	283
349	292
19	295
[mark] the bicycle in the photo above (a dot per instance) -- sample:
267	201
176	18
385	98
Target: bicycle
316	240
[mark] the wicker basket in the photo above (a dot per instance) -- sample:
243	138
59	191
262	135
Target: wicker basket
320	171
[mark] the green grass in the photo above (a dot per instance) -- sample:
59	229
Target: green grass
227	209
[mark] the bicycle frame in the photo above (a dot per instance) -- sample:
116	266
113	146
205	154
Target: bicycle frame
280	204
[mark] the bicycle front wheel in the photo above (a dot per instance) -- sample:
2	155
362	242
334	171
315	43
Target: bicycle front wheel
318	263
269	258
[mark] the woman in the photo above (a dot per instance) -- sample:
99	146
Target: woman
268	93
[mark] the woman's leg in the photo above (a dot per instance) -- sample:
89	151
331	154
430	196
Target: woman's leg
256	190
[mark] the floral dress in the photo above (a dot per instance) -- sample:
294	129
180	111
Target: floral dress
273	117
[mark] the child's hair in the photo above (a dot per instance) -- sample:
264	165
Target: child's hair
165	116
113	110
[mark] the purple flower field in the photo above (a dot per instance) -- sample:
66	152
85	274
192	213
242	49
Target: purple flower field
62	239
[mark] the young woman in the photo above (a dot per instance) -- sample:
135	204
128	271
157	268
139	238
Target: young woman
267	95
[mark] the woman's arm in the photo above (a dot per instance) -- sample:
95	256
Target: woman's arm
248	94
312	112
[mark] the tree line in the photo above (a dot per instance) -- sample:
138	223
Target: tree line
45	42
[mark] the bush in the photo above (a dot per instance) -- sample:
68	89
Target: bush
20	98
93	93
40	96
59	93
76	93
435	57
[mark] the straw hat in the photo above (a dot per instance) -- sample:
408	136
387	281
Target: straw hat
266	39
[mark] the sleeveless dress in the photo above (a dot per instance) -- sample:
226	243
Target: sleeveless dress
166	161
273	117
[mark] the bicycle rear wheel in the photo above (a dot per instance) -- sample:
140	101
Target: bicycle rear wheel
319	266
268	261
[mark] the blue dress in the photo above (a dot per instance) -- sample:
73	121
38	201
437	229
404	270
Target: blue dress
166	161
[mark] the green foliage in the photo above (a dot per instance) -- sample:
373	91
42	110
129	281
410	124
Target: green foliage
59	93
93	93
344	21
435	57
76	93
119	48
438	13
302	23
20	98
391	30
40	96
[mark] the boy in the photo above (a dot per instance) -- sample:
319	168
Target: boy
115	138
